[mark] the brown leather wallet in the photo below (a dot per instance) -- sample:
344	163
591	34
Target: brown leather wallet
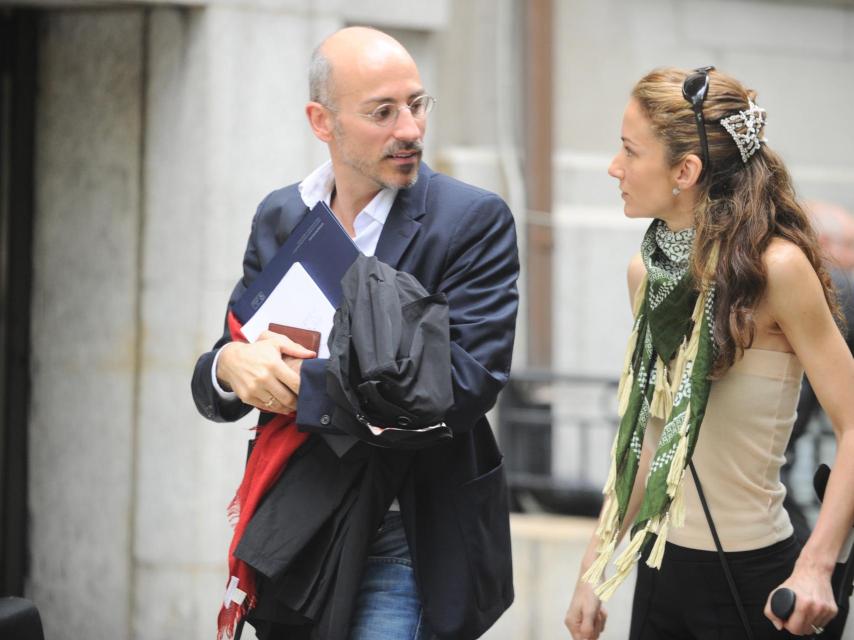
304	337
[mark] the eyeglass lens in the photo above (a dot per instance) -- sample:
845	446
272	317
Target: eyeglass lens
385	114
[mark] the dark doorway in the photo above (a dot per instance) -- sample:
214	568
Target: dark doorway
18	38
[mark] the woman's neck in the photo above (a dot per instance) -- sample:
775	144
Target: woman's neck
678	220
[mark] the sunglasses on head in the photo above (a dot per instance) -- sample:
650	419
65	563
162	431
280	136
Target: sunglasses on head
694	90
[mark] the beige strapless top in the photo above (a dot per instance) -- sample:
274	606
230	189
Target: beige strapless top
739	453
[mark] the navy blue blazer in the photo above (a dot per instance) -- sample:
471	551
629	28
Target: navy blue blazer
461	241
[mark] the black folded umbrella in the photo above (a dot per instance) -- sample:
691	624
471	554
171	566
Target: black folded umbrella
389	370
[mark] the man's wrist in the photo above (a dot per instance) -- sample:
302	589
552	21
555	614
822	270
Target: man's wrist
222	388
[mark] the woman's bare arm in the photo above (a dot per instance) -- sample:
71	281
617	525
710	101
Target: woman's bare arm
795	300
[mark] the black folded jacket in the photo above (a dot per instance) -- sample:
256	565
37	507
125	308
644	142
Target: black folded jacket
389	370
310	536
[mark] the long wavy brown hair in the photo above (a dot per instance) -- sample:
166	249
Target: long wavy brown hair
740	209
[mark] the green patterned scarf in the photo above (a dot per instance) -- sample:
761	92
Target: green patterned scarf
666	375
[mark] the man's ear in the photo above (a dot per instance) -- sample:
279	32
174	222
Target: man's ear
320	120
687	172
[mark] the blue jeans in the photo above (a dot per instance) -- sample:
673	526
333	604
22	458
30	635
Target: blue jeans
388	606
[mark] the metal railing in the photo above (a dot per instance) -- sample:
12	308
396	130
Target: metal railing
555	430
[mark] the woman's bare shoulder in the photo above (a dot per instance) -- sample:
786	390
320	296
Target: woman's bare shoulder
785	261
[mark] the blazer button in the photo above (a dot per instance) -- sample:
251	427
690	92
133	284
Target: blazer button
325	419
403	421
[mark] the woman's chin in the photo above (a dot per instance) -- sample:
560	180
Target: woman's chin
632	213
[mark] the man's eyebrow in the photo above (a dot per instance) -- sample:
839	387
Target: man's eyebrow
389	99
627	140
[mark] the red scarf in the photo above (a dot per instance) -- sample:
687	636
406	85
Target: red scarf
275	442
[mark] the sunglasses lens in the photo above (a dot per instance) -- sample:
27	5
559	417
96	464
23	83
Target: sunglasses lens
694	88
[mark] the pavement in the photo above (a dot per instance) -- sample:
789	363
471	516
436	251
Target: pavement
547	552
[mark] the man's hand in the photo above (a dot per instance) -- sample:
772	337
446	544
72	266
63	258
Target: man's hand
265	373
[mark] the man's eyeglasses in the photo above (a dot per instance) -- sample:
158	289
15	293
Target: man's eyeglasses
386	114
694	90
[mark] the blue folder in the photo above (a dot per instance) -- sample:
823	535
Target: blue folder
321	245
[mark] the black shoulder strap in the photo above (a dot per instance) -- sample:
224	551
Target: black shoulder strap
732	587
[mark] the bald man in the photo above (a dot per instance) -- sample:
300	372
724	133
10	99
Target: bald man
436	561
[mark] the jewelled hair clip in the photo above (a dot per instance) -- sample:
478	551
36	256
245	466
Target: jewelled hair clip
744	127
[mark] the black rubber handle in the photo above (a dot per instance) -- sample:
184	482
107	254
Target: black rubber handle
783	603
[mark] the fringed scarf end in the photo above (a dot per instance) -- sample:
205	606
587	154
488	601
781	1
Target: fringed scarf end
607	530
631	348
677	507
611	481
624	564
607	589
624	392
630	554
594	574
680	456
662	396
677	370
609	520
627	377
657	553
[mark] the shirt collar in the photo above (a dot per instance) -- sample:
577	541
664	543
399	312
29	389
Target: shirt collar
318	186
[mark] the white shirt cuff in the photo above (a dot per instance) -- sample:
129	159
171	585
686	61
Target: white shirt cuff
222	393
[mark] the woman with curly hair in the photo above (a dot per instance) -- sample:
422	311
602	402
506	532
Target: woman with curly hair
731	306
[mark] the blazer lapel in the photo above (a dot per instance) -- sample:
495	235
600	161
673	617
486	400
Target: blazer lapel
402	223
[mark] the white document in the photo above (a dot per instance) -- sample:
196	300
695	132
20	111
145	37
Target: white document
298	302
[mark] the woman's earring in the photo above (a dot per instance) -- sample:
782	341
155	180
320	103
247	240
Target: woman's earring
676	191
